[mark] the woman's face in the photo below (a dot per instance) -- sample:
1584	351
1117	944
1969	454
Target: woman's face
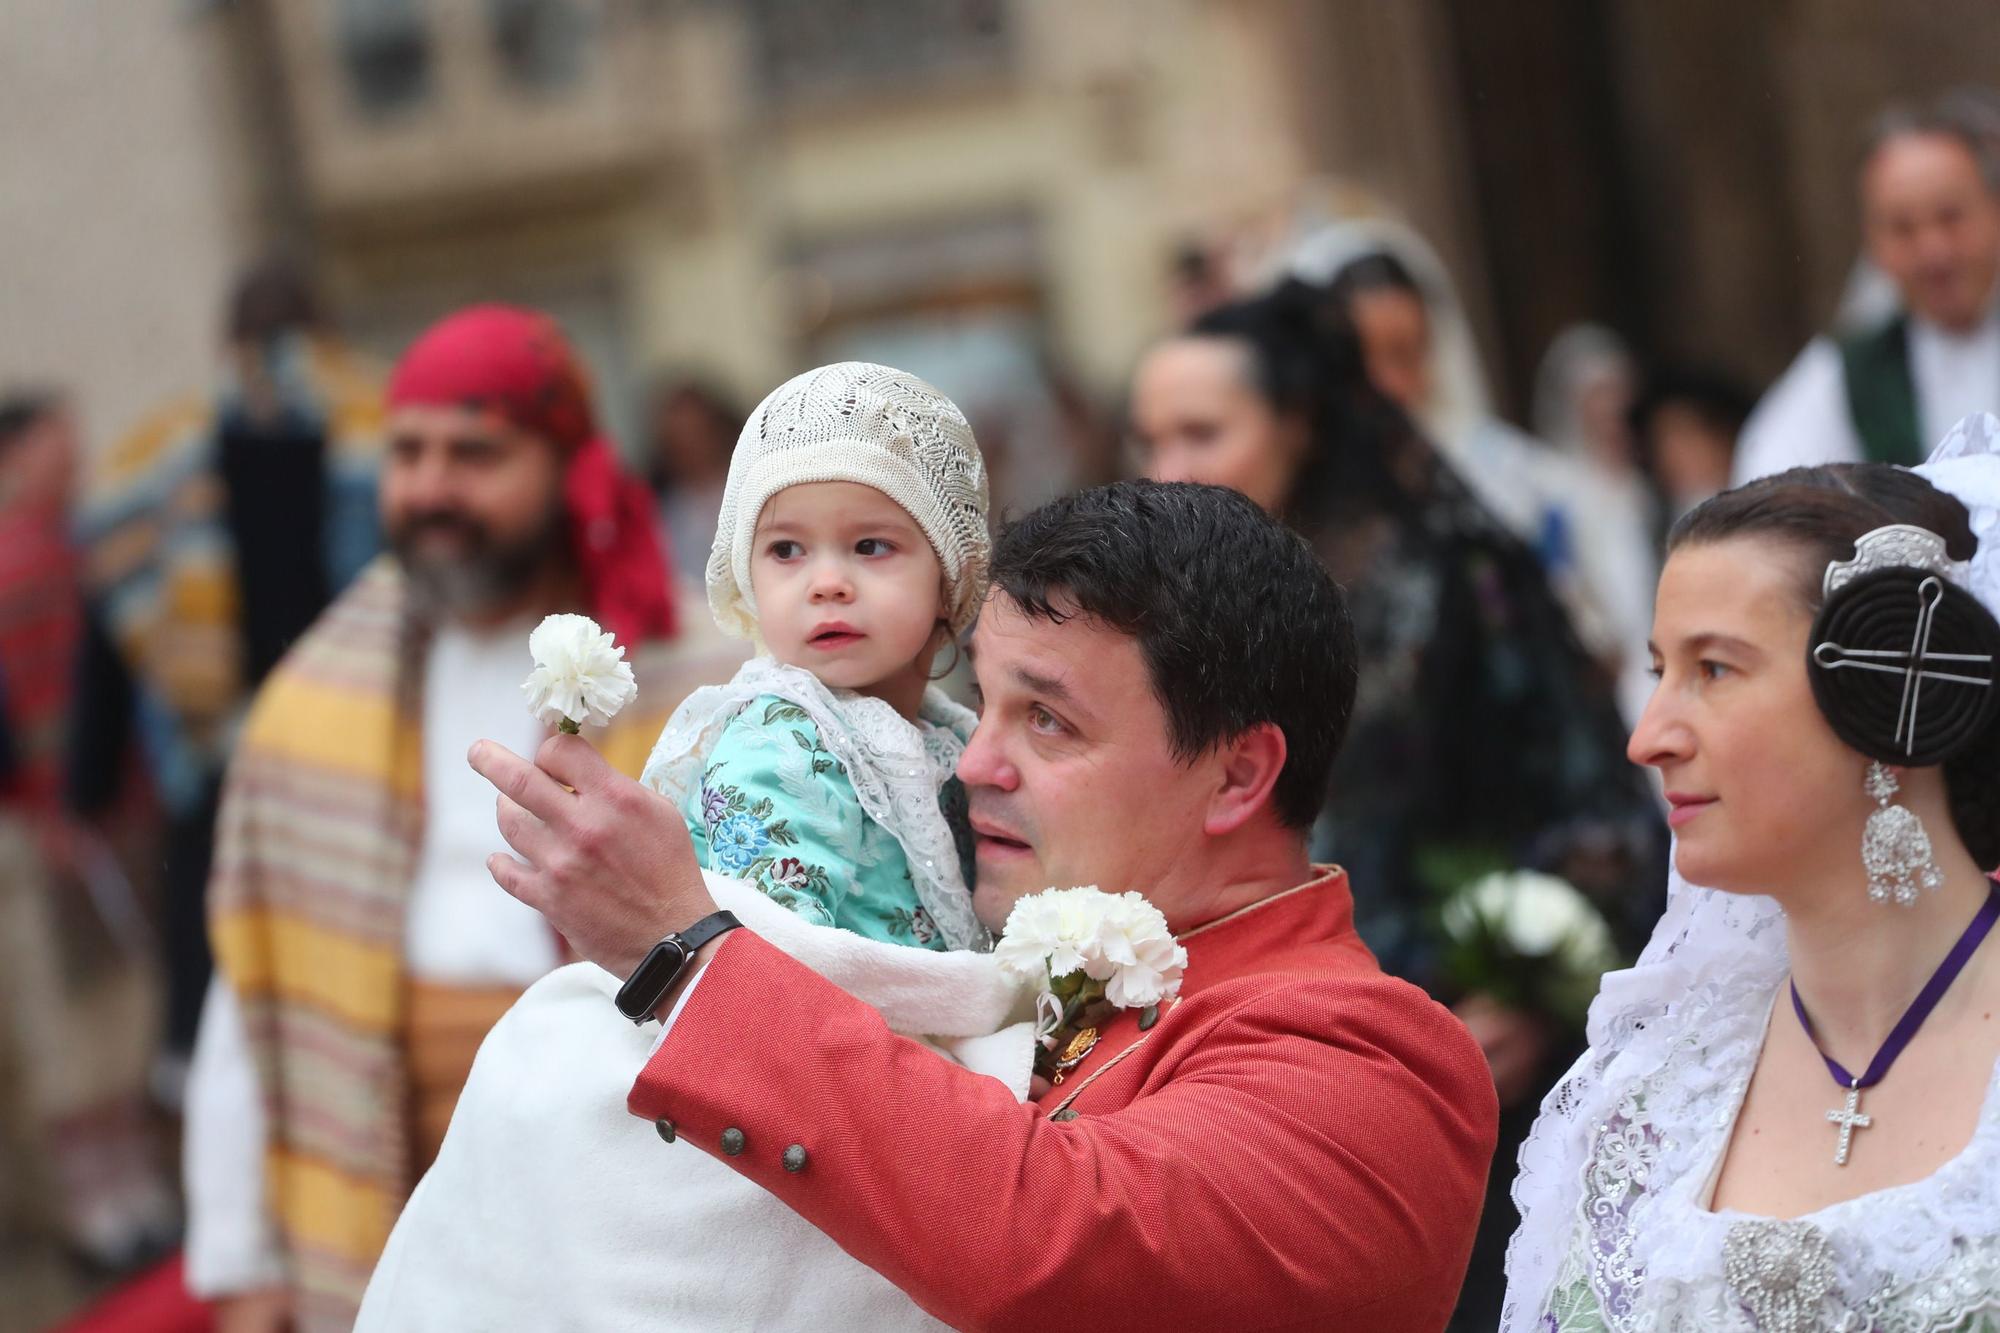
1197	417
1763	795
1396	344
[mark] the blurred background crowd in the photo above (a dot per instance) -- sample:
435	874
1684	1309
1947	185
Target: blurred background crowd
1479	297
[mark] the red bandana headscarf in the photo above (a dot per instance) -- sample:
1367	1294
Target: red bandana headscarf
517	363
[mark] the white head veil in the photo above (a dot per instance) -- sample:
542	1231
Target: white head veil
1459	401
1703	939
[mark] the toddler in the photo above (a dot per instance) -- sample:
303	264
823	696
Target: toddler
851	547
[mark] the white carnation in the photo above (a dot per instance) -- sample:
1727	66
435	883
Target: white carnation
1535	915
580	674
1118	939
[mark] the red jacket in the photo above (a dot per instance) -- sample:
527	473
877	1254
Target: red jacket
1299	1142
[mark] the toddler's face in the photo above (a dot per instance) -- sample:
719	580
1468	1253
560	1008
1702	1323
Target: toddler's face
847	586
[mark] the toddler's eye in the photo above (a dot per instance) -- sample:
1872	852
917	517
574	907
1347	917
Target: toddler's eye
874	546
784	549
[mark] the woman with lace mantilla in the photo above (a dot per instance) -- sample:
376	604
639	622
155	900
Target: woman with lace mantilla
1788	1116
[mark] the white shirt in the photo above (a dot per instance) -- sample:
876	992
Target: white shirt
461	929
1804	420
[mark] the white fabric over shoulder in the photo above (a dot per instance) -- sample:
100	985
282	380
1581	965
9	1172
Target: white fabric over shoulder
626	1231
1802	420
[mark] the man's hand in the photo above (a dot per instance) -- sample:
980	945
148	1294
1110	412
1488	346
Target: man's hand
605	860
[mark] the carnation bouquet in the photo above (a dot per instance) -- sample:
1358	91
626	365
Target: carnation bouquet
1531	941
1091	954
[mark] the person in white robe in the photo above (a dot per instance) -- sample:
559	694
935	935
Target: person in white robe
1930	214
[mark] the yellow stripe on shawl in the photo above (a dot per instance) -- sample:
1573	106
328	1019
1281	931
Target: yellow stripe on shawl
627	745
274	952
329	1210
326	725
143	447
203	593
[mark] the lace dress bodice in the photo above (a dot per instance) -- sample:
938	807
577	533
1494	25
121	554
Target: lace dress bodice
1645	1252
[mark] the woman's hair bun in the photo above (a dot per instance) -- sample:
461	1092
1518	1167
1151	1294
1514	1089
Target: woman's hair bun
1861	646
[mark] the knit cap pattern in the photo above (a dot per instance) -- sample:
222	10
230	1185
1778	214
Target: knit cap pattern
872	425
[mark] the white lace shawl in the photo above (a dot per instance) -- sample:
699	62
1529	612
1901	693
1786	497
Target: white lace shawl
896	769
1611	1177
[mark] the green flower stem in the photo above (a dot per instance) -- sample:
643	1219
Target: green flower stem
569	728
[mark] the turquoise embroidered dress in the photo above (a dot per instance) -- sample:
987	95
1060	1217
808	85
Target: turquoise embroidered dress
829	802
775	808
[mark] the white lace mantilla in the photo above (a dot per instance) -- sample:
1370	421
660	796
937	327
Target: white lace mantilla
1640	1251
1614	1232
896	769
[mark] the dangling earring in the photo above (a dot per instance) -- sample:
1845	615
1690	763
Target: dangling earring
1895	849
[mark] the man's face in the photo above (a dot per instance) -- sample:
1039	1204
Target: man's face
1071	775
472	507
1933	226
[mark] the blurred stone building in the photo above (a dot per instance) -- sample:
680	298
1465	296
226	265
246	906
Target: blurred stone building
982	189
978	190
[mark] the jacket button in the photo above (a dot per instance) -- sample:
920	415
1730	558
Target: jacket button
666	1128
732	1142
795	1158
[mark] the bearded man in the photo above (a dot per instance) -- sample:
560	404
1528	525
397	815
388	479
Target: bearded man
361	951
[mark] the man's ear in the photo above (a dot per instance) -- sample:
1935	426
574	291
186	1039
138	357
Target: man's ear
1249	766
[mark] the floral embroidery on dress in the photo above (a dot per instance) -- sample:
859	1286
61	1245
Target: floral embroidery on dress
860	786
914	922
742	835
786	711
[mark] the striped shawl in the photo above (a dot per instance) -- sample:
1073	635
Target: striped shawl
320	830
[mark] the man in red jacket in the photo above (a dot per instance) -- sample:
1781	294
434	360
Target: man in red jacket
1296	1142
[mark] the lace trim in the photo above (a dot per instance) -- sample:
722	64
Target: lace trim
1645	1255
895	768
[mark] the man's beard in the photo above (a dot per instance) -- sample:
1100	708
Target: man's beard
487	574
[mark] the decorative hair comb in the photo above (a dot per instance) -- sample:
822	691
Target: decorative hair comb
1898	546
1891	593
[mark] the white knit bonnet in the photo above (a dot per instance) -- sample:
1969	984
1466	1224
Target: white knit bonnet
852	421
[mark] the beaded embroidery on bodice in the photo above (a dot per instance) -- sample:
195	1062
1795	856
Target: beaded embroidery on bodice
1648	1256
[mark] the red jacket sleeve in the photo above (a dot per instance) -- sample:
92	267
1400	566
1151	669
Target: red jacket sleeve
1308	1152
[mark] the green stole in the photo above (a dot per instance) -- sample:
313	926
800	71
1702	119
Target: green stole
1882	395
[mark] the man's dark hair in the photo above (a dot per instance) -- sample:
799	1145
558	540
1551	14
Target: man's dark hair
1237	620
21	410
1718	398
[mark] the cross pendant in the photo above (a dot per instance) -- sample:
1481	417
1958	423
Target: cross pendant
1849	1119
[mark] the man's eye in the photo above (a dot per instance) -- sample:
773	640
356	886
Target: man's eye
1713	670
874	546
1042	720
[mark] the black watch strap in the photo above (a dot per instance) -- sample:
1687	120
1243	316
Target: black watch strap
663	964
